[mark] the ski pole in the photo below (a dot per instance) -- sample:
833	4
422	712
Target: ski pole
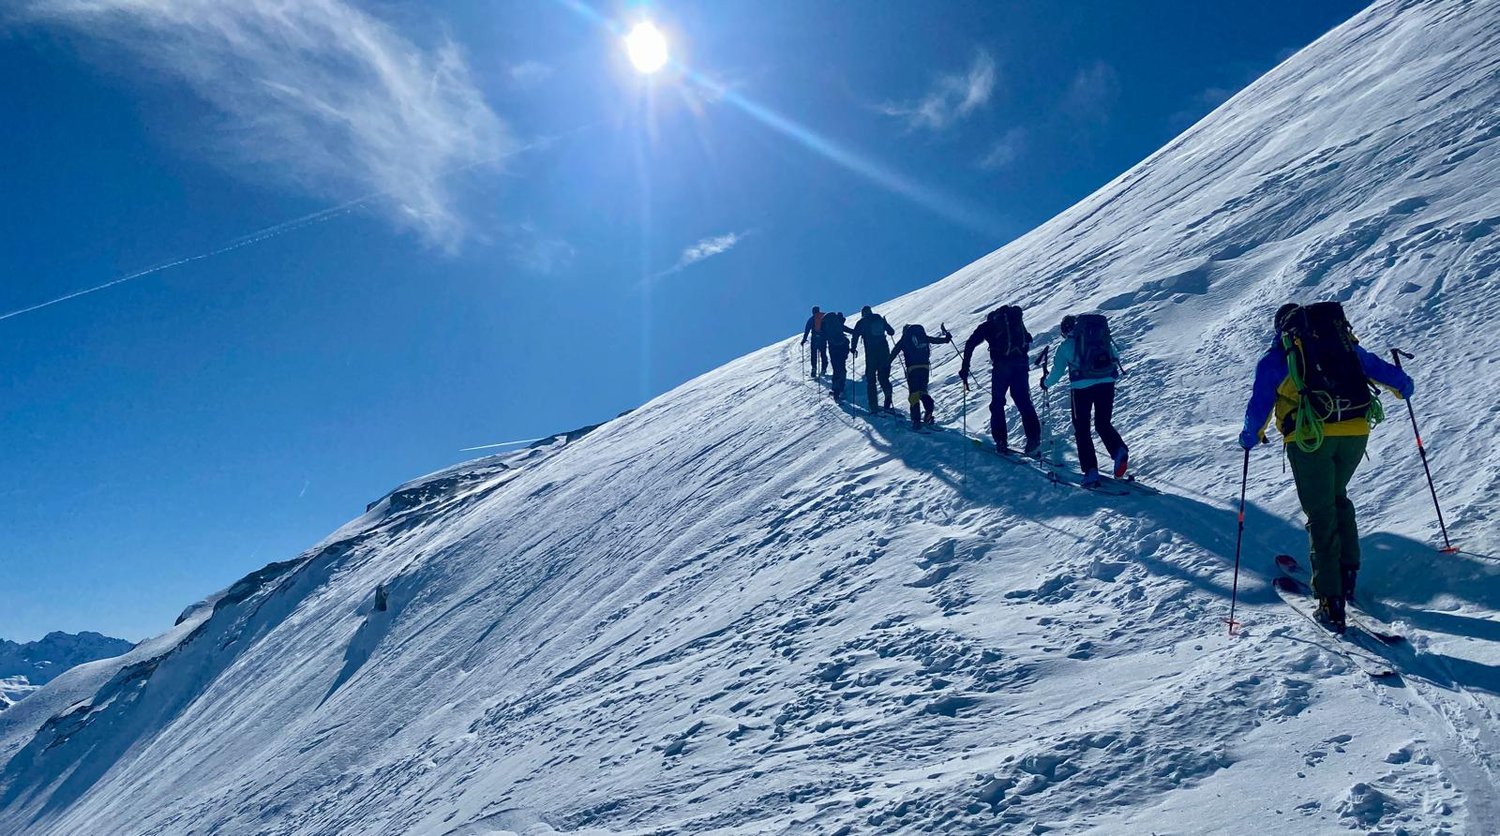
959	356
1448	547
1041	363
1234	591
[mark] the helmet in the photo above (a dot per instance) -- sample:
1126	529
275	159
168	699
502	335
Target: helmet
1284	314
1067	324
815	308
866	310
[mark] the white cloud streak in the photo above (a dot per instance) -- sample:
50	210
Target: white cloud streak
704	248
951	99
1093	93
537	252
1006	151
708	248
530	73
313	93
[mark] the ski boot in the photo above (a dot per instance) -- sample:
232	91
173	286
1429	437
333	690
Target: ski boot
1330	614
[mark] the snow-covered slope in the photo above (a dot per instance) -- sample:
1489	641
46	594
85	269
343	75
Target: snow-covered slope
26	667
742	609
42	660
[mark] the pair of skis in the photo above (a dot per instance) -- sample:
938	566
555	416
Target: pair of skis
1363	633
1060	474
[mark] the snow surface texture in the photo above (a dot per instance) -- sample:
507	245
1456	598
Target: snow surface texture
741	609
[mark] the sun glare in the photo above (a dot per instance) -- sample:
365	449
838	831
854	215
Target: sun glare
647	48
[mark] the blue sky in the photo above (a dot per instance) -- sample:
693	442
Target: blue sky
413	227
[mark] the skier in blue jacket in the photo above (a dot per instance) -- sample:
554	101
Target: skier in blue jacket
1324	450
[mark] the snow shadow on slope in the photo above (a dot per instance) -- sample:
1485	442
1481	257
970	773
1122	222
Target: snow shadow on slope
1398	570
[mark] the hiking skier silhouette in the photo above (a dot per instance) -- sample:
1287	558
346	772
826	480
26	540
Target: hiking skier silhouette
1009	341
836	340
814	329
873	328
915	350
1316	381
1088	356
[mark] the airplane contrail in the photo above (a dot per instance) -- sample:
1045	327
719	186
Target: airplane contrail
243	241
281	228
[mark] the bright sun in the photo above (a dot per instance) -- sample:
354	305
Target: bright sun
647	48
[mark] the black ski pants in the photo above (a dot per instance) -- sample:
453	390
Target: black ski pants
916	385
819	352
1012	375
839	354
877	372
1098	399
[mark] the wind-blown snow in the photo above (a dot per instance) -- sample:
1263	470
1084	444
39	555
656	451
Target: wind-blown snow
742	609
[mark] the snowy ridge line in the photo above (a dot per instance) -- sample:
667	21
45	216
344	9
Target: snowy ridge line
219	622
731	613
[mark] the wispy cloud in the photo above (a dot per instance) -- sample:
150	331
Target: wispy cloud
951	99
703	249
530	73
314	93
1198	105
1092	94
709	247
536	251
1006	150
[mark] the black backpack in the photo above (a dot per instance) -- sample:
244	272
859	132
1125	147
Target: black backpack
833	329
1093	357
1008	336
1321	359
916	345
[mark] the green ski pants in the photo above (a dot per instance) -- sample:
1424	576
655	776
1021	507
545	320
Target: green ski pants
1322	479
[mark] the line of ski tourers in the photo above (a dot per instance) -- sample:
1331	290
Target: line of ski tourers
1087	355
1314	379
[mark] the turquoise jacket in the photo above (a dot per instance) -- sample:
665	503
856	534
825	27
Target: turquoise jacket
1063	358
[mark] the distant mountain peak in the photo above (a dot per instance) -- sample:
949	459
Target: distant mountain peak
40	661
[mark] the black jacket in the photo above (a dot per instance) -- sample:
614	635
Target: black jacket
873	329
836	336
989	332
915	349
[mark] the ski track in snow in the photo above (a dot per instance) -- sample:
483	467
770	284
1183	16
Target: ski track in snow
743	609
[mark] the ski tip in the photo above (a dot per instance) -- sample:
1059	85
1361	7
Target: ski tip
1286	584
1287	561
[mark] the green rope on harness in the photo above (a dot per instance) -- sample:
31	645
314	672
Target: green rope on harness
1376	413
1307	426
